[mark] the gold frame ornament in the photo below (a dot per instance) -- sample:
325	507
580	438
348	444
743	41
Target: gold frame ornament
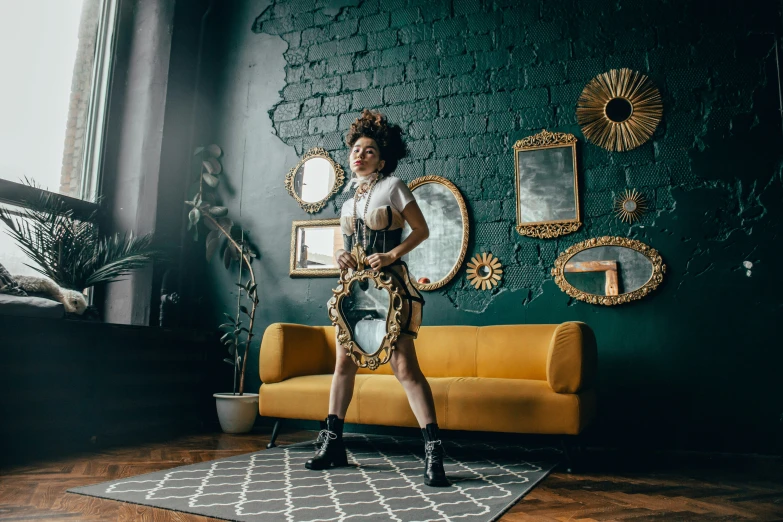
625	87
658	269
554	228
393	327
636	200
293	271
339	180
493	275
463	209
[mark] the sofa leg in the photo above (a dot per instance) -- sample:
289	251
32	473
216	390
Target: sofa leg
275	431
567	453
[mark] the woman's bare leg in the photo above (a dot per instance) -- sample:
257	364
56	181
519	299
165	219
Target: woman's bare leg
405	366
342	383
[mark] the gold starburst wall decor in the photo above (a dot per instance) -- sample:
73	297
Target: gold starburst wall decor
619	110
484	271
629	206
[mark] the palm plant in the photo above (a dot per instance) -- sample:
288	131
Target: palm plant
72	252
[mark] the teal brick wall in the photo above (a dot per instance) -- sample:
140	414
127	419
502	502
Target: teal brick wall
466	80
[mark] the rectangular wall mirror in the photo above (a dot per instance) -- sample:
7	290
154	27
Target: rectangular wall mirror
313	244
546	185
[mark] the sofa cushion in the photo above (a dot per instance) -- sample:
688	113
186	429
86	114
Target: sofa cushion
30	306
461	403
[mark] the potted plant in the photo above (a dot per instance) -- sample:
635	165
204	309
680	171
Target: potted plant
72	252
237	411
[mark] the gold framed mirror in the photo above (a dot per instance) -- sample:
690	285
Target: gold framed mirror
619	110
547	185
437	260
484	271
365	309
313	245
314	180
608	270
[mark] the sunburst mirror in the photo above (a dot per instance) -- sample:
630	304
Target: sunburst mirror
484	271
619	110
629	206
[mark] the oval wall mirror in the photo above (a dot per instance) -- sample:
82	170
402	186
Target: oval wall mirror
314	180
436	261
365	310
609	270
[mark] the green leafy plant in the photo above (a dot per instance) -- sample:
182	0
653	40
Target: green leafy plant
231	240
72	252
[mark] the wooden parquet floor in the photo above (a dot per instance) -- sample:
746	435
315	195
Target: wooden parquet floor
610	486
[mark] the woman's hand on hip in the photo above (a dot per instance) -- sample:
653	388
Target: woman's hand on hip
378	261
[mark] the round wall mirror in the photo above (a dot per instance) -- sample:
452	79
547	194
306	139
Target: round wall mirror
618	109
436	261
314	179
608	270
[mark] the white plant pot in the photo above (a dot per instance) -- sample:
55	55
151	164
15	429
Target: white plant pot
236	413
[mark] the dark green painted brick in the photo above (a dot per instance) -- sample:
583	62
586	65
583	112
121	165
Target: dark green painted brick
296	91
382	40
450	27
399	93
466	7
475	82
497	102
339	65
326	86
311	107
475	124
322	124
343	28
415	33
478	43
286	112
395	55
543	75
403	17
447	127
491	60
430	89
423	50
421	70
367	98
389	75
453	65
458	147
455	105
374	23
451	46
336	104
356	81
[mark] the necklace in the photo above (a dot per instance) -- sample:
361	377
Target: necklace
356	198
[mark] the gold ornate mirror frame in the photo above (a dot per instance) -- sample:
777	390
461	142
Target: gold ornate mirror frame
633	100
293	270
555	228
339	179
658	269
393	328
463	209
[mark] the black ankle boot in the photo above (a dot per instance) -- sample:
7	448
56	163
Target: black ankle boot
434	474
331	449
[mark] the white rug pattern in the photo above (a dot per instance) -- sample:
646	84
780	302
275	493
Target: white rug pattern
384	482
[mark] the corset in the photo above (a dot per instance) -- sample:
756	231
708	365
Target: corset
378	241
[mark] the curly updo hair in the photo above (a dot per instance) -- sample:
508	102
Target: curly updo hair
373	124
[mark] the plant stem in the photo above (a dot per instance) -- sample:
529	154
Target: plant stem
246	259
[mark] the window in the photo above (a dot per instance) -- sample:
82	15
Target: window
57	58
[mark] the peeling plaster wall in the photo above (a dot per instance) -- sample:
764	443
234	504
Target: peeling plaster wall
694	365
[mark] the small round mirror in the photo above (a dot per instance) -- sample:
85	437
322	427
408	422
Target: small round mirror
618	109
629	206
483	271
365	310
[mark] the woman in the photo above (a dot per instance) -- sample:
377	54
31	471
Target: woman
373	218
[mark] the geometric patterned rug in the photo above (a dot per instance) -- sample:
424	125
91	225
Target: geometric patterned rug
383	482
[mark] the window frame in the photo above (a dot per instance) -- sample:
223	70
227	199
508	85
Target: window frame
19	194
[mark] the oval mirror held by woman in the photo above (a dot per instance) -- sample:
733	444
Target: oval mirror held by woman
365	310
609	270
314	180
436	261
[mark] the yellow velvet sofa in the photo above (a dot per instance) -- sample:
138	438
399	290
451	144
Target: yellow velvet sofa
516	378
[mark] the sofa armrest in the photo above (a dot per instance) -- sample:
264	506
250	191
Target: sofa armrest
293	350
572	358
